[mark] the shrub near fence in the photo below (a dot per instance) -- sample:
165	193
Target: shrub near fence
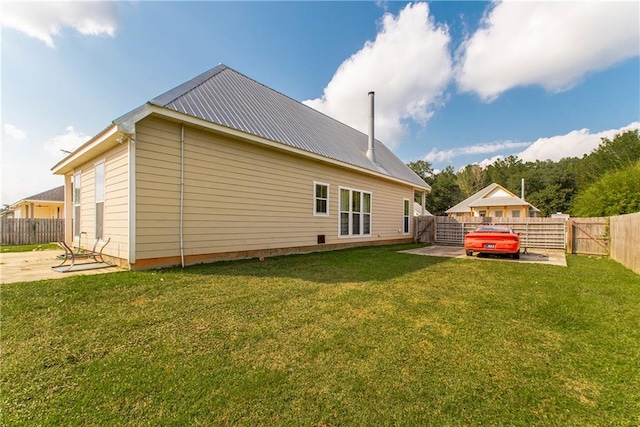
30	231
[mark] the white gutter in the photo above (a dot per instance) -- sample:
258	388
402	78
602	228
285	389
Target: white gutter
131	206
182	194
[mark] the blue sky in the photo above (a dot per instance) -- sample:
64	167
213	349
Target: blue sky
456	82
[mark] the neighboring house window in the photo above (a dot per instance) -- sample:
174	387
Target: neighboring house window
498	214
515	214
355	212
76	204
405	217
100	200
483	214
321	199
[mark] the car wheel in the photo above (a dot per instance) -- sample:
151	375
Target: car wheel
469	253
516	255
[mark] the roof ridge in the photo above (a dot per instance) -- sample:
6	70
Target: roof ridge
186	87
225	67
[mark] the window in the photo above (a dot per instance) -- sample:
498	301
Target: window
515	214
405	217
497	214
76	203
100	200
355	212
483	214
321	199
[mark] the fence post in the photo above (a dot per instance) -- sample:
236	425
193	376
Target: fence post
570	236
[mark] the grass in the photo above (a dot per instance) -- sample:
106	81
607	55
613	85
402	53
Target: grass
356	337
29	248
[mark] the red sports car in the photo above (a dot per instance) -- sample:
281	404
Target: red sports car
493	239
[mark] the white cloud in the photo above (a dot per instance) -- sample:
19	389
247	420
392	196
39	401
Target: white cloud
45	20
408	65
551	44
14	133
573	144
68	141
435	155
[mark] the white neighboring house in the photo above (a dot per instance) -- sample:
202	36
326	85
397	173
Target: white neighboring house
48	204
494	201
417	210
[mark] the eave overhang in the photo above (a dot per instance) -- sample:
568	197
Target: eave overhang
124	127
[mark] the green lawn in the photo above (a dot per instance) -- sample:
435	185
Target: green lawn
356	337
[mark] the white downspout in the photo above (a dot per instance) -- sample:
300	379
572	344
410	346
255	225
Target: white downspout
181	194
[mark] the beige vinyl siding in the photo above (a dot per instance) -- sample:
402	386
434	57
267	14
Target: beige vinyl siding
239	196
116	210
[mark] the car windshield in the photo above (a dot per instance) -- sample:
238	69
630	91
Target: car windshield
494	229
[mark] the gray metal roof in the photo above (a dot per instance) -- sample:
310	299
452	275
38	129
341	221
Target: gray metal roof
226	97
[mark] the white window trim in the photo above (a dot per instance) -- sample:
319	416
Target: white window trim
74	204
351	235
322	214
104	195
408	202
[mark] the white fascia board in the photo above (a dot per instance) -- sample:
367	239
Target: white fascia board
66	165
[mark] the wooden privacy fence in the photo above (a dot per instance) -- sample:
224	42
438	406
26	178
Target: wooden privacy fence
625	240
30	231
548	233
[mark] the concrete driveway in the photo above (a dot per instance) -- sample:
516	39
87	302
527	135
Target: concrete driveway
31	266
537	256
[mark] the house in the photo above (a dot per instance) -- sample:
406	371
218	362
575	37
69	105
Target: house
494	201
48	204
417	210
169	182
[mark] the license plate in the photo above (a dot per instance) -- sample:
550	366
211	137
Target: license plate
490	246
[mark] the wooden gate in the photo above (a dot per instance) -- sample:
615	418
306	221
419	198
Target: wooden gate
425	229
588	236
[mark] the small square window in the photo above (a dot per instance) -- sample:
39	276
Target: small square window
321	199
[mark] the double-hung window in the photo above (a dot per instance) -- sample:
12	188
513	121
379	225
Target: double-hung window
321	199
100	200
405	216
355	212
76	203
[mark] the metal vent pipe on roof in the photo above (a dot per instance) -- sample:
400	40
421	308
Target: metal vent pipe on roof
371	149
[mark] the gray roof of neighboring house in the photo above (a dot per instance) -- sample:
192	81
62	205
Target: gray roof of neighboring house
498	201
417	207
53	195
226	97
476	200
463	206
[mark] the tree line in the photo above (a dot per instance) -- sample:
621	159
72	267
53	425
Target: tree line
602	183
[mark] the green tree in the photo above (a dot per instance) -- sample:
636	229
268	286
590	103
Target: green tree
445	192
471	179
612	154
422	168
616	193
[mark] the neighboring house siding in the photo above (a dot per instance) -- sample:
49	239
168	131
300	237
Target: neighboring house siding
115	202
239	196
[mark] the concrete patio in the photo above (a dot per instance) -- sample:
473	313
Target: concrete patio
36	265
537	256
